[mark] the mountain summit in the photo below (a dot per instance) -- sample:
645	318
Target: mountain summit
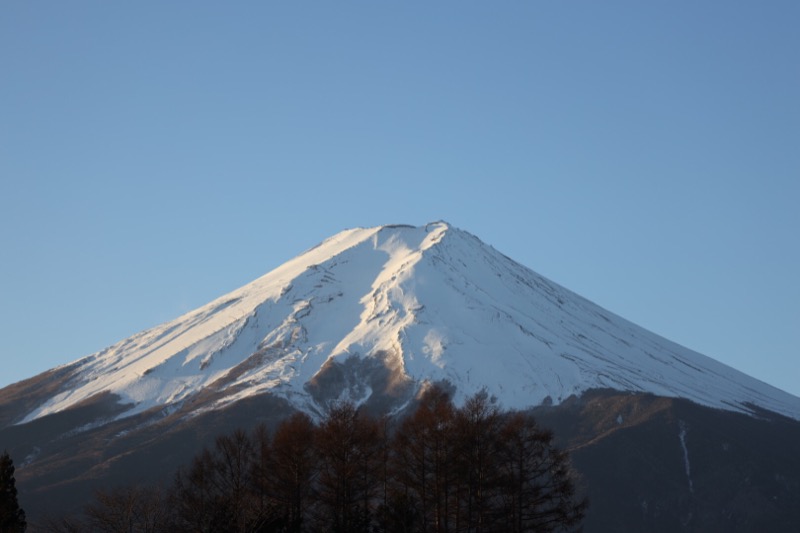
664	438
372	315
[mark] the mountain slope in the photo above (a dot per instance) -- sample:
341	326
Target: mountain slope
666	439
372	314
660	464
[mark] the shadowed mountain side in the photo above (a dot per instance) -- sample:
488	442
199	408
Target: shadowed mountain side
141	450
664	464
647	463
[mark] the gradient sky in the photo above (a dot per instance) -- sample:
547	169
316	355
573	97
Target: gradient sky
156	155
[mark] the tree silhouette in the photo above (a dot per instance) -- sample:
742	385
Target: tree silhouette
127	509
423	460
476	442
443	468
348	447
536	484
292	468
12	517
216	493
477	468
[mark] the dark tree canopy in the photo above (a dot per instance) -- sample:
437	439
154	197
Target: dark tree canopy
348	447
12	517
479	469
442	469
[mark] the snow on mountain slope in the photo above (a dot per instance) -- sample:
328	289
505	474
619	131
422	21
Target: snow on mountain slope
425	304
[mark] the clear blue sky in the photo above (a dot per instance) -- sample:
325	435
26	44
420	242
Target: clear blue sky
155	155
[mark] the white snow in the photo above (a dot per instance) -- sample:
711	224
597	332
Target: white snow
686	465
449	306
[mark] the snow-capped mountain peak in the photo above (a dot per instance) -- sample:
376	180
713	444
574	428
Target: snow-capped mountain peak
376	313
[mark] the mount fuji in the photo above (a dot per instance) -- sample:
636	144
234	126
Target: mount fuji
374	316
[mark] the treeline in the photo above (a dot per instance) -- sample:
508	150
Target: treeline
442	469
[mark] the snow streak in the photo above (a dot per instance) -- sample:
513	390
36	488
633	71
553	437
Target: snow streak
682	437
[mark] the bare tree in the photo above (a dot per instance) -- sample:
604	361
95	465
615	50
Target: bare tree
423	458
476	432
126	510
444	469
478	469
292	469
214	493
194	498
348	450
537	484
233	466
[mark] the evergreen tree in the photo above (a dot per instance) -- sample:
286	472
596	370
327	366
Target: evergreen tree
12	518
